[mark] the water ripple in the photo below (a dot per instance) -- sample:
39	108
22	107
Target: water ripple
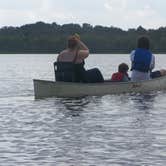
116	130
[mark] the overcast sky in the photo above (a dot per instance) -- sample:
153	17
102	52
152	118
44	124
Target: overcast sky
120	13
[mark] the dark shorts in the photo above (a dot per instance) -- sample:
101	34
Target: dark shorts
94	75
155	74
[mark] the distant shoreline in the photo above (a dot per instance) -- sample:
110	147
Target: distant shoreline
120	52
44	38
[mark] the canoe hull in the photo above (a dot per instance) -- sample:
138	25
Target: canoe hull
44	89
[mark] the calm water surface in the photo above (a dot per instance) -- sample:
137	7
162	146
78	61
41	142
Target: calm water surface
116	130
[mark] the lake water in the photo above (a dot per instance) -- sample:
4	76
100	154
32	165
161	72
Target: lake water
113	130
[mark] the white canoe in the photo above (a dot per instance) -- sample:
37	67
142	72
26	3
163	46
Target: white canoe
44	89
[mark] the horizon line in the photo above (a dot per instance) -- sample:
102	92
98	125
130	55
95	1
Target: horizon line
81	25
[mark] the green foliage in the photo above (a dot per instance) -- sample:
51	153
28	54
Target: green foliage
51	38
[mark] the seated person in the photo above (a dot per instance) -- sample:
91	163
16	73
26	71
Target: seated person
121	75
143	61
70	64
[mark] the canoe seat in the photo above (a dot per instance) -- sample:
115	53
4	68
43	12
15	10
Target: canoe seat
69	72
64	71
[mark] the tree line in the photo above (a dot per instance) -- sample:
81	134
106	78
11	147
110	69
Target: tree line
42	37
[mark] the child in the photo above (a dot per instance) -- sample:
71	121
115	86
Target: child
121	75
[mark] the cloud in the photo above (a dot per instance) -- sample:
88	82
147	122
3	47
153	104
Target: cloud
115	5
32	11
19	5
120	13
132	13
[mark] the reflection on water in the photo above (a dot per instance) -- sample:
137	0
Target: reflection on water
142	124
74	106
142	106
144	101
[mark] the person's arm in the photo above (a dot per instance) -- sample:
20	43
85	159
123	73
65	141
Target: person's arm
82	46
83	54
132	55
83	50
152	65
132	58
125	78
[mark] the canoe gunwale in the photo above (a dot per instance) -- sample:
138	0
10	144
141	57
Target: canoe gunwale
101	83
44	88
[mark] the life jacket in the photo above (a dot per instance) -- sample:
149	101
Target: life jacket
142	60
119	76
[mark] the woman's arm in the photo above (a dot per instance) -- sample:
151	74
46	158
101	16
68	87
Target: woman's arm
83	54
82	46
83	50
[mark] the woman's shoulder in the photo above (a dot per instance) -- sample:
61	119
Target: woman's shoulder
65	56
63	52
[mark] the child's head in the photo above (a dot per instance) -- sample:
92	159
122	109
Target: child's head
143	42
123	68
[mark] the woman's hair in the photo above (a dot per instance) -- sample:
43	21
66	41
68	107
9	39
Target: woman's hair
71	42
143	42
123	68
